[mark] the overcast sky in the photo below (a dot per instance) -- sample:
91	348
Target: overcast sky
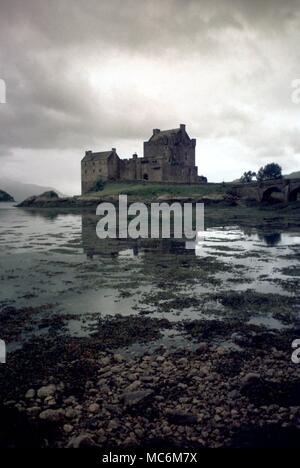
97	74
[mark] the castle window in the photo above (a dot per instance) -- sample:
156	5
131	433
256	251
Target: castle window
145	177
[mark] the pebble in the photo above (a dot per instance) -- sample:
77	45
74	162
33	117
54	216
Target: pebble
81	441
202	347
46	391
94	408
251	376
181	418
119	358
68	428
52	415
133	398
133	386
30	394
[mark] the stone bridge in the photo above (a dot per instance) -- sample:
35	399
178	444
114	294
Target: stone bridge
262	191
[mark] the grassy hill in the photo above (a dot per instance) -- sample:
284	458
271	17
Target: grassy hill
293	175
150	190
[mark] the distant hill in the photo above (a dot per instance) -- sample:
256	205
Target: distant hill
5	197
293	175
19	190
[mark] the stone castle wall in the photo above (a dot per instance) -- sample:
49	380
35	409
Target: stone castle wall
169	156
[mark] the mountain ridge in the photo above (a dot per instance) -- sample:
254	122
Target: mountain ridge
21	190
292	175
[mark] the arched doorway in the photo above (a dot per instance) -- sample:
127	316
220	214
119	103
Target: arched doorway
145	177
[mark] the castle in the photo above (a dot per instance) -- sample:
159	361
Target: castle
169	156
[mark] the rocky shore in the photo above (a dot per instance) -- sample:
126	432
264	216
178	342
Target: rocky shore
81	203
75	395
52	200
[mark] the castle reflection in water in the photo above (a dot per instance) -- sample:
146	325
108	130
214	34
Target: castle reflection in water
93	246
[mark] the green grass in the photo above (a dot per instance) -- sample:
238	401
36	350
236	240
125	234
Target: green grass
153	190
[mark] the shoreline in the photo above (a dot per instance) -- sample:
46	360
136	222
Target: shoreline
79	203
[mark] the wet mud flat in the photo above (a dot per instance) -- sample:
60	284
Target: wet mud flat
151	344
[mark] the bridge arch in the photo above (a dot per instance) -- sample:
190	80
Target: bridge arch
294	195
267	193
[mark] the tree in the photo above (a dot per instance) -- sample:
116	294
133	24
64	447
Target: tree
269	172
98	185
247	177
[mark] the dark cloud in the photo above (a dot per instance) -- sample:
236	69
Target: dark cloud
82	74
